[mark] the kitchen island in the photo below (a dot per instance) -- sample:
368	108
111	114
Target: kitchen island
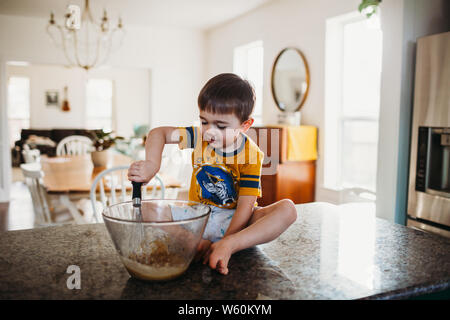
330	252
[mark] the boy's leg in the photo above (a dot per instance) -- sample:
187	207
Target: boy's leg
279	216
266	224
218	220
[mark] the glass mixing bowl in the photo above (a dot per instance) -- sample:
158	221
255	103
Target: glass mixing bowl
159	247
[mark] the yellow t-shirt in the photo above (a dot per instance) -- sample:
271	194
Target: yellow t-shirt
219	178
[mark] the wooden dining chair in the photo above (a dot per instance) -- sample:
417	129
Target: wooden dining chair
74	145
30	155
113	180
47	212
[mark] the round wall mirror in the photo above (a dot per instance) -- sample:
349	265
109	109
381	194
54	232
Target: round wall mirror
290	80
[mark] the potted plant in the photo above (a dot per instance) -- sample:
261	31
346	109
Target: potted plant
102	141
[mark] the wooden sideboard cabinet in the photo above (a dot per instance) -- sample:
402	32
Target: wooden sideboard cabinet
283	178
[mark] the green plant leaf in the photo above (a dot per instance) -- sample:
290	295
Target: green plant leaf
367	3
104	139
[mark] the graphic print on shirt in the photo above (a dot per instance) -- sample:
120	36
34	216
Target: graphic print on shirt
217	185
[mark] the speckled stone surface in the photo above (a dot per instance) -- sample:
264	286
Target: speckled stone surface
328	253
33	265
343	252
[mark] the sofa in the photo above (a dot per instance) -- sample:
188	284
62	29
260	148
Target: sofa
45	140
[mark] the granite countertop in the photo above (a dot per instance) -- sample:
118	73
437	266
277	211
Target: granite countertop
330	252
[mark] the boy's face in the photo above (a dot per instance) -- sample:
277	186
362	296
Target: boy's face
222	130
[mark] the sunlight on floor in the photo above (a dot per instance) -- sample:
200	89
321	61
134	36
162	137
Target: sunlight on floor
20	213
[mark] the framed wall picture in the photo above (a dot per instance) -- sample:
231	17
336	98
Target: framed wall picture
52	98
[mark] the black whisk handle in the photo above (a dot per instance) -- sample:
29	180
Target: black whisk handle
137	193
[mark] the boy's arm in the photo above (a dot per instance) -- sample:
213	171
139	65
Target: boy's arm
156	139
242	215
144	171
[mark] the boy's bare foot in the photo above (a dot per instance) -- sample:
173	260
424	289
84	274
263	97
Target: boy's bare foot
218	255
202	249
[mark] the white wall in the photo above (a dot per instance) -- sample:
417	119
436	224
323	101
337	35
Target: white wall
5	156
43	78
388	133
301	23
131	96
131	99
175	57
280	24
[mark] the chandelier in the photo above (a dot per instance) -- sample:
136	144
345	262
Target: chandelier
85	42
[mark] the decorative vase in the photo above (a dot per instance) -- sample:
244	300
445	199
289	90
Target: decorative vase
100	158
289	118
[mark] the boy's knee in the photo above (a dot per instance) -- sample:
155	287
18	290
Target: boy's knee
289	209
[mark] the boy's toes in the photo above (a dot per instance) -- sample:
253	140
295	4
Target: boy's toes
223	271
221	267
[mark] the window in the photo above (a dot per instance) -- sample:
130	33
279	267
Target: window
352	99
99	94
248	64
18	106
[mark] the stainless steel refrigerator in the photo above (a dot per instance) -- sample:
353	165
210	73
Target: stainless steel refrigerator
429	171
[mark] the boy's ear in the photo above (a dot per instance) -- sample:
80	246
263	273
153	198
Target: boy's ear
247	124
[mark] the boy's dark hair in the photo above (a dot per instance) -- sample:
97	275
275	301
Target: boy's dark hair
227	93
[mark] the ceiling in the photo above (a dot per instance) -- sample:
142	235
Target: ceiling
197	14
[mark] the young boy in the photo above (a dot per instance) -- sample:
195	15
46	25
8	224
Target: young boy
226	172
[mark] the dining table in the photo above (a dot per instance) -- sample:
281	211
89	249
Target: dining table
71	177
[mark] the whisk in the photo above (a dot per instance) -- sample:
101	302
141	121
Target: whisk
139	236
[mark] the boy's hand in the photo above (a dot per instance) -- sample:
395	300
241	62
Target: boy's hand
142	171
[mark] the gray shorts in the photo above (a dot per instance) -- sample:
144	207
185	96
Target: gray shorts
217	225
